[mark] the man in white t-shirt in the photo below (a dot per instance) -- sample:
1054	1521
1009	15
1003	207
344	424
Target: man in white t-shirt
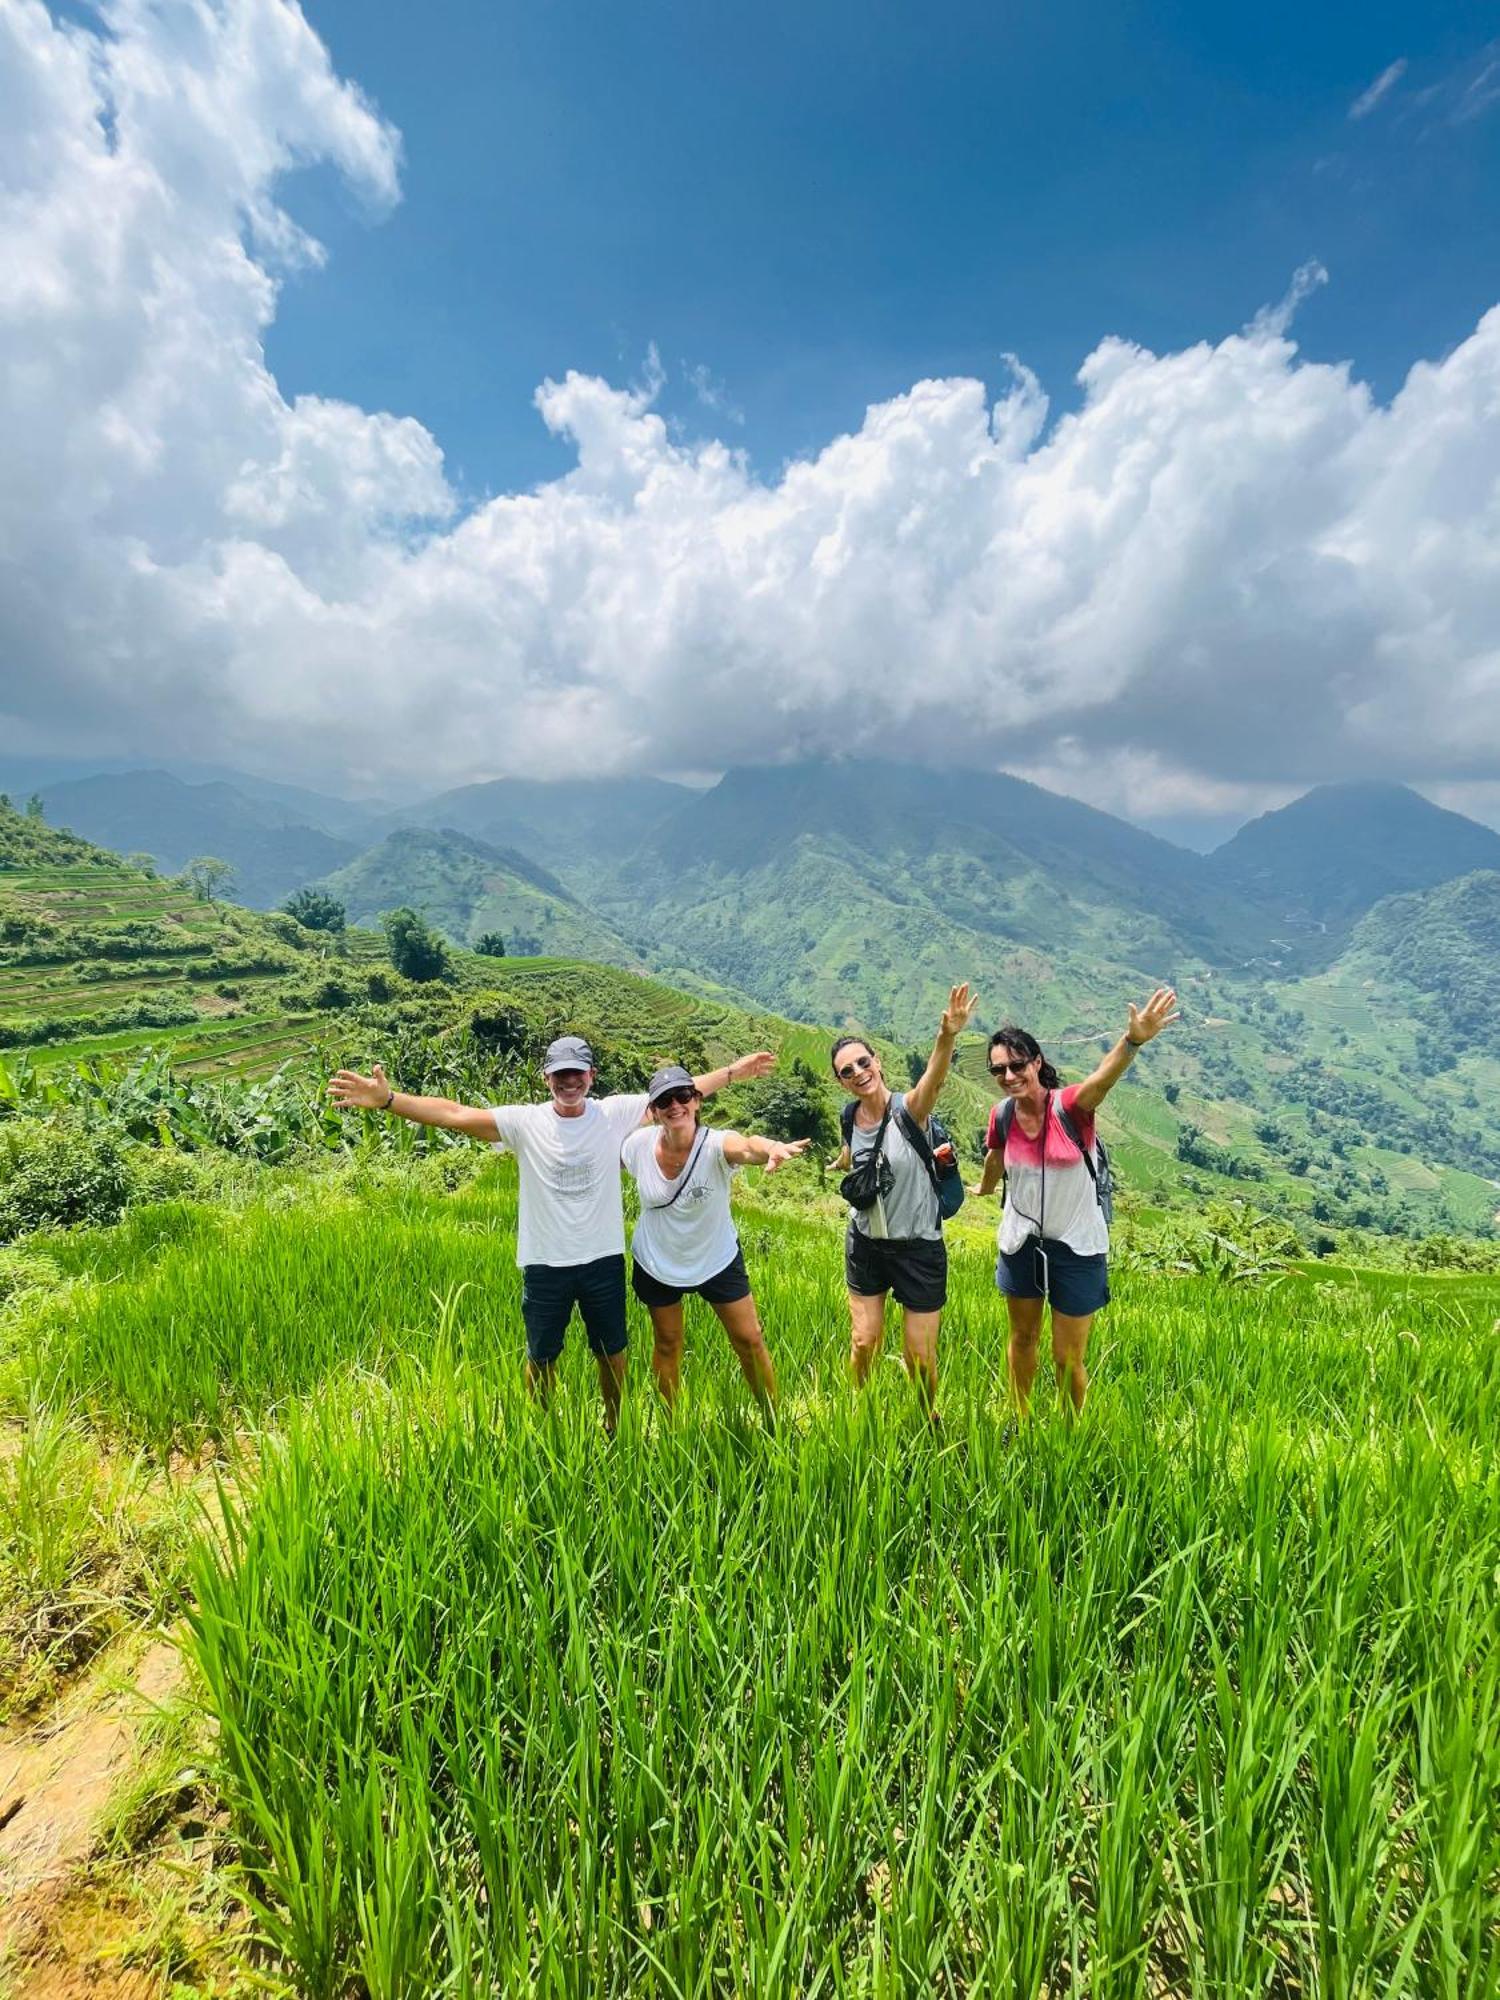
570	1238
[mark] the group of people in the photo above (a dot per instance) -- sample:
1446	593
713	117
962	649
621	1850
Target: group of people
570	1238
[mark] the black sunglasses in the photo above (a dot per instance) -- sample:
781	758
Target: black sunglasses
683	1096
856	1068
1012	1068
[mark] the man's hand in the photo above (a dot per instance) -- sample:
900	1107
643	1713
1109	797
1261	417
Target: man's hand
961	1008
779	1152
352	1092
1159	1012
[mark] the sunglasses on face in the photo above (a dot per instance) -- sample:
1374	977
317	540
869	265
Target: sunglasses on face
675	1097
1012	1068
855	1068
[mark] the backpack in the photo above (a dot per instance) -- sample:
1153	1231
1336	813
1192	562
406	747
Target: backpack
1101	1174
947	1181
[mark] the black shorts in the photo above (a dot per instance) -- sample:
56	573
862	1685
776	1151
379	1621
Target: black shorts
722	1289
915	1268
1076	1285
549	1293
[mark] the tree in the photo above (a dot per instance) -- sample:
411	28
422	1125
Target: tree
490	944
143	864
793	1105
206	875
523	946
416	952
34	806
316	910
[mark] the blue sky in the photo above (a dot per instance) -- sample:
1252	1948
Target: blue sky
818	204
334	450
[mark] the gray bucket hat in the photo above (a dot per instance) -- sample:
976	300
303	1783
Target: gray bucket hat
567	1052
672	1076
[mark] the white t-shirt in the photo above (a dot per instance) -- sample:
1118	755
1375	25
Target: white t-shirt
570	1177
695	1238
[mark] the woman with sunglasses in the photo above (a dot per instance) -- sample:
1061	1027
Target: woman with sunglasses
896	1245
685	1240
1054	1240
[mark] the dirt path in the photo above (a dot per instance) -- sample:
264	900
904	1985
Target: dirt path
55	1782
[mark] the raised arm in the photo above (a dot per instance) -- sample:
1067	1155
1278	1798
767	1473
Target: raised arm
352	1092
960	1010
744	1149
739	1071
1144	1025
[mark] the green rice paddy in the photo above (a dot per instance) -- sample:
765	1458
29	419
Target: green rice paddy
1198	1697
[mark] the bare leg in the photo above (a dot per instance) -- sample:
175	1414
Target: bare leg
1070	1339
611	1381
866	1332
741	1322
666	1349
1020	1355
919	1340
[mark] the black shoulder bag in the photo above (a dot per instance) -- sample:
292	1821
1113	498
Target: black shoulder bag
863	1185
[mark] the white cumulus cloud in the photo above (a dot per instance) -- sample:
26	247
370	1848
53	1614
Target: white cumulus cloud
1228	571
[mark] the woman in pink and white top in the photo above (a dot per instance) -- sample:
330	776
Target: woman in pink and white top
1054	1238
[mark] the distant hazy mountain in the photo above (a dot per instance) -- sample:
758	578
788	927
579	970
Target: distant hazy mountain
573	828
297	805
466	887
271	851
1336	851
857	890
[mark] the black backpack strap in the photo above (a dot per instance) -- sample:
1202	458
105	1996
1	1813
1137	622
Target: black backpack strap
917	1139
1065	1119
846	1120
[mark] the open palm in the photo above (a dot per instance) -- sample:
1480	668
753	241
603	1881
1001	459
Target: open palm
1159	1012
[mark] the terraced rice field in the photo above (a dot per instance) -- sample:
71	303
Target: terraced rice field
258	1034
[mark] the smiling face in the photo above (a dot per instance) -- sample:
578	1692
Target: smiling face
858	1070
570	1089
1014	1070
677	1112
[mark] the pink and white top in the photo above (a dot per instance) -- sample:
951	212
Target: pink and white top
1072	1214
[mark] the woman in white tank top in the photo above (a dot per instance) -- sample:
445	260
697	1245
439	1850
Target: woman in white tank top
685	1240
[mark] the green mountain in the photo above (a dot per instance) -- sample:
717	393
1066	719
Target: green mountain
466	887
1443	946
1324	860
859	891
150	812
571	827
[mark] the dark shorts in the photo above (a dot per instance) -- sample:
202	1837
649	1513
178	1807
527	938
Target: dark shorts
722	1289
1075	1285
549	1293
914	1268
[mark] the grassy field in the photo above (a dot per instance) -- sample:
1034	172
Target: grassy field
1199	1698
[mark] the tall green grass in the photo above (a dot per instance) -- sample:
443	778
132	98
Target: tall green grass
1200	1697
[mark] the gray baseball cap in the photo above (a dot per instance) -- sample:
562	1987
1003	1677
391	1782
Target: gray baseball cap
567	1052
671	1077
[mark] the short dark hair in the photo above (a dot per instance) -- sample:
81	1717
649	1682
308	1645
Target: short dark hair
848	1042
1021	1042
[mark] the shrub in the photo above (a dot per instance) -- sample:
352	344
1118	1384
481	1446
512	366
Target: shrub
316	910
57	1175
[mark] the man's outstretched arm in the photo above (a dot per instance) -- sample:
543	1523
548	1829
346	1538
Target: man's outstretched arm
352	1092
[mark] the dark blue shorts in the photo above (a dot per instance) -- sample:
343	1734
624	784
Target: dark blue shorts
1075	1285
549	1293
